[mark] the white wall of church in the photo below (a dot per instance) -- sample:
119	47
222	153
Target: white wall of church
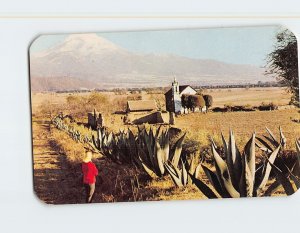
188	91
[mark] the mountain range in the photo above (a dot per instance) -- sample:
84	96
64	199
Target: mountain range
87	61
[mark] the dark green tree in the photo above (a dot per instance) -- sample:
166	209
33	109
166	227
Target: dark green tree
283	63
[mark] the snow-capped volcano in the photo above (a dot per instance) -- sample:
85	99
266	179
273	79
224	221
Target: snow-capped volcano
81	44
96	61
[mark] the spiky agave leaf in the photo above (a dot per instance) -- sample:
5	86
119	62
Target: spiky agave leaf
165	144
214	180
225	145
298	149
175	174
266	149
192	165
233	160
148	139
131	145
250	156
267	171
159	157
221	166
272	188
282	138
249	180
197	171
150	172
177	151
184	176
271	138
158	132
143	156
284	181
207	191
99	138
109	138
95	143
292	176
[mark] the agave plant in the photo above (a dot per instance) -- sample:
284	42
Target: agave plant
180	176
103	139
120	148
235	176
269	142
285	178
154	151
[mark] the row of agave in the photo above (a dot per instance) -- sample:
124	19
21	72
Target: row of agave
149	150
74	133
237	175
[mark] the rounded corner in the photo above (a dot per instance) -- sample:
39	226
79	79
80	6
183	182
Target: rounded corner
40	200
285	28
296	191
35	38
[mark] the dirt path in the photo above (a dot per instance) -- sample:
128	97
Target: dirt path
54	181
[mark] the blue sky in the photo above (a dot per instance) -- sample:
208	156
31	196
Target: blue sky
238	45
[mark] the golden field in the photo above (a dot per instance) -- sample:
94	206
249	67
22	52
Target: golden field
58	176
199	126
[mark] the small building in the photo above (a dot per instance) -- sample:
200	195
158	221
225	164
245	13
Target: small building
173	96
145	111
141	106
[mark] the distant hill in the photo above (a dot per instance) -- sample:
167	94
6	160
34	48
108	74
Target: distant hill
60	84
87	61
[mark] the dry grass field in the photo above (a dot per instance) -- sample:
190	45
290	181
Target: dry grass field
251	96
200	126
221	97
57	177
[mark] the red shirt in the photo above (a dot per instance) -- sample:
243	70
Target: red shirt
90	172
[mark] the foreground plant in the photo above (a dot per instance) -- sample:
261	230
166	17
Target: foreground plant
154	151
286	179
237	174
120	147
180	175
71	129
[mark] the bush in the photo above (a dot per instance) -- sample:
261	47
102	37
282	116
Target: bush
267	106
228	107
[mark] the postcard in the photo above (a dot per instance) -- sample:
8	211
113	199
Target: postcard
165	115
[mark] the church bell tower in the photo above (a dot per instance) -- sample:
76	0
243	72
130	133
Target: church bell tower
176	99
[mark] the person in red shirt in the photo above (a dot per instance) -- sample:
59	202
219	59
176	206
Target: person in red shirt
90	172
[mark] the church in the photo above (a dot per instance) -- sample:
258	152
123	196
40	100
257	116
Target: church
173	96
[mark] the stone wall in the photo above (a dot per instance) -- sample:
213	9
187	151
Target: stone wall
151	118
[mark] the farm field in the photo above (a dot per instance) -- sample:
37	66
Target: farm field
202	126
234	96
57	181
251	96
58	176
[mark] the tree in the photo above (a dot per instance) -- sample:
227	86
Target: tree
185	102
195	101
208	101
283	62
